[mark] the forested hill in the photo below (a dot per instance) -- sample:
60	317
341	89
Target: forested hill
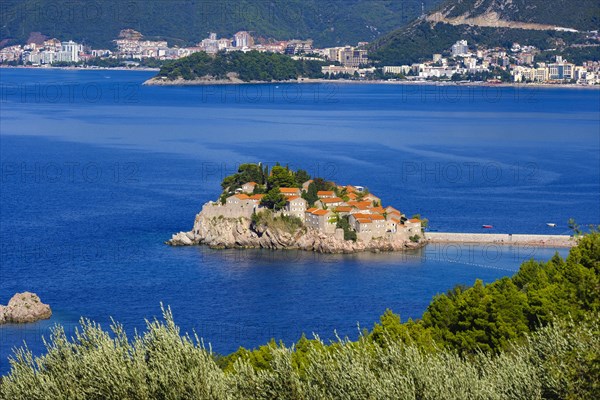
491	23
247	67
181	22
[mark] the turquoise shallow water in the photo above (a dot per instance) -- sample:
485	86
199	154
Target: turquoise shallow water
97	171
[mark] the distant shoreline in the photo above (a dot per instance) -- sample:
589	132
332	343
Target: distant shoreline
138	69
204	82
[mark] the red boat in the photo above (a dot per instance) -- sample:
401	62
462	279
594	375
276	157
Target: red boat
487	226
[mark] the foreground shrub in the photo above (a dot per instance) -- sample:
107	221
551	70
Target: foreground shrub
559	361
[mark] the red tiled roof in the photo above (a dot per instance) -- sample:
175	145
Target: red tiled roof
332	200
242	196
257	196
320	212
364	216
292	198
325	193
377	217
414	220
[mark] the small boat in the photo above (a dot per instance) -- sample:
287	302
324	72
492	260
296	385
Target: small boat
551	225
487	226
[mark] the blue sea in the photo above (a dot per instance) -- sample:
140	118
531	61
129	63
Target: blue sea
98	171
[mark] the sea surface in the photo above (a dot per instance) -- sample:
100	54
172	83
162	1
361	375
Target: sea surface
98	171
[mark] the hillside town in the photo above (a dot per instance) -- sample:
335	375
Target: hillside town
460	63
363	210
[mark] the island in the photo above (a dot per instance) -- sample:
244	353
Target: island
279	208
23	308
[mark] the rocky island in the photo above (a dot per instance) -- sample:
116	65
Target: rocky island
285	209
23	308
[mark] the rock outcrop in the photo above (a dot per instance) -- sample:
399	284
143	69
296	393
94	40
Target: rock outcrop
23	308
241	232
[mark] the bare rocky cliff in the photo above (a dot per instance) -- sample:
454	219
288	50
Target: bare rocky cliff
221	232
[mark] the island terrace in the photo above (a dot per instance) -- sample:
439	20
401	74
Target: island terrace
362	209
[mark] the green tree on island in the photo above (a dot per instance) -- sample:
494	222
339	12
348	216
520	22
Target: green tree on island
281	177
311	194
273	200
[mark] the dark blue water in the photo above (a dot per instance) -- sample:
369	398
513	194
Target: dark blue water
98	171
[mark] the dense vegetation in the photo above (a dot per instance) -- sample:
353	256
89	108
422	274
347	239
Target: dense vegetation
250	66
533	336
184	22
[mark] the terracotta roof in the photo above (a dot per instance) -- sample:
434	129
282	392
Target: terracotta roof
352	196
414	220
377	217
257	196
242	196
378	210
320	212
325	193
289	190
292	198
332	200
350	188
311	210
396	220
359	216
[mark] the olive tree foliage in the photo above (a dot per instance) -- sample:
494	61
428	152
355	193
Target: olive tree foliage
559	360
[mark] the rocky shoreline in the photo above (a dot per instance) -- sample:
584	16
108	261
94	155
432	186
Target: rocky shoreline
24	308
242	233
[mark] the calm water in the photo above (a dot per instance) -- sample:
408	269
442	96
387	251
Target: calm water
97	171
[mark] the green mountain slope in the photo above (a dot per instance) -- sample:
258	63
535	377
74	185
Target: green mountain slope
328	22
494	23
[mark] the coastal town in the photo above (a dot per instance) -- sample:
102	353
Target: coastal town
463	62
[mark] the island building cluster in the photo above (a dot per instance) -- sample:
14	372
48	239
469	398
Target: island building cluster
461	62
366	216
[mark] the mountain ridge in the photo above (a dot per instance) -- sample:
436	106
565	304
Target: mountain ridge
548	24
185	22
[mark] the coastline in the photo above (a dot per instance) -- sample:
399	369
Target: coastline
207	82
204	82
142	69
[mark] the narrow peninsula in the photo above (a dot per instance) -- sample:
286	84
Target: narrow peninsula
285	209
